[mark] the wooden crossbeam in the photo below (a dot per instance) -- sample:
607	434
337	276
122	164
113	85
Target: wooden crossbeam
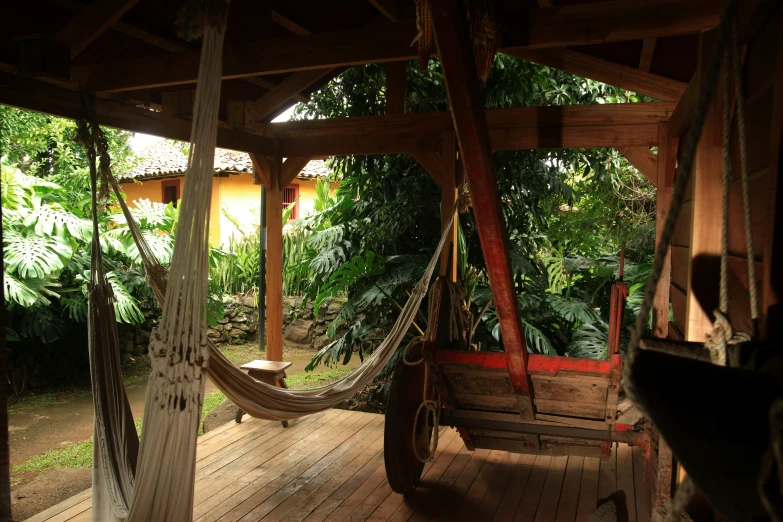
644	160
283	21
297	82
605	71
91	22
648	49
577	126
291	168
470	123
598	115
528	29
39	96
387	9
430	162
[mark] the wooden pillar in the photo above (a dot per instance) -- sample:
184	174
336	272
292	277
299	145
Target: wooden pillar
448	257
395	88
5	460
274	265
666	162
705	225
452	37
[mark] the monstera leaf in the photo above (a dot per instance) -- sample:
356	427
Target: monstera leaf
52	219
29	292
33	256
572	310
350	274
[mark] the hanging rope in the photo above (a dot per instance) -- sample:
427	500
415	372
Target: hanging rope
116	445
430	408
723	334
726	45
690	144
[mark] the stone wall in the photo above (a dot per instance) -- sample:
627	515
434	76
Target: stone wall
239	325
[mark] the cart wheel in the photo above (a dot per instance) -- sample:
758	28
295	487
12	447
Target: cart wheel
403	469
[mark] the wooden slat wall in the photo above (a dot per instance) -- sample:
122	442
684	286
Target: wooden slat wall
761	92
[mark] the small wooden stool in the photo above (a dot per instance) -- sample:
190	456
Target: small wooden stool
269	372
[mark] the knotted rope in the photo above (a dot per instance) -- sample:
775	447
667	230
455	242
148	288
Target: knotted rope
726	44
723	334
456	329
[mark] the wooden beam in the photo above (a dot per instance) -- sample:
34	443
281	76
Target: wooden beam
705	224
648	49
291	169
643	160
274	265
387	9
448	256
612	21
262	169
297	82
462	86
396	87
38	96
665	166
501	139
604	71
520	128
430	162
91	22
528	29
289	24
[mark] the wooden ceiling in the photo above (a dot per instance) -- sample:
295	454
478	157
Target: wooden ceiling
278	51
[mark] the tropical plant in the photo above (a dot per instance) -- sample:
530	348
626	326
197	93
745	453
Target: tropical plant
567	212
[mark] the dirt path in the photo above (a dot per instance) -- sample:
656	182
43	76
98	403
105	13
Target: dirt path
36	432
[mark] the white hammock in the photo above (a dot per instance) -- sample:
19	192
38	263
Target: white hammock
180	350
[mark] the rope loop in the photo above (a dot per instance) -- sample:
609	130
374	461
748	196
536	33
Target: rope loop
430	407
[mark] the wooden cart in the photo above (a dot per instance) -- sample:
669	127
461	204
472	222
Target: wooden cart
575	401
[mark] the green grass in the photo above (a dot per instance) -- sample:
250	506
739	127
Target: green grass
211	401
305	381
78	455
36	400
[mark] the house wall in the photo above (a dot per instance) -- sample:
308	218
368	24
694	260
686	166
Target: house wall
236	194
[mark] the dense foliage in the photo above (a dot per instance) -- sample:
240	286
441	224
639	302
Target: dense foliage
47	233
567	212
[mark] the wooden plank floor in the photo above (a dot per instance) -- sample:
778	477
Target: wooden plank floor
329	467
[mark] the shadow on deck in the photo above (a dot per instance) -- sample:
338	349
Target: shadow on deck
329	467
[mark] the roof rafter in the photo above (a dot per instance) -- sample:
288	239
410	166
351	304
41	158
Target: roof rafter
542	27
92	22
605	71
40	96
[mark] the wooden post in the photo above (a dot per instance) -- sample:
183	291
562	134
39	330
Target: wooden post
667	155
395	87
705	225
452	37
274	265
5	460
448	257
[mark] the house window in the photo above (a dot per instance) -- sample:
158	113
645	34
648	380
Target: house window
290	193
170	191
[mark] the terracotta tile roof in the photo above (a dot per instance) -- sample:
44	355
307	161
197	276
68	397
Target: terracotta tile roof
168	158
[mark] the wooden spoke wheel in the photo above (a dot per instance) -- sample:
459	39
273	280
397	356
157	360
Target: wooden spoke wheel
403	468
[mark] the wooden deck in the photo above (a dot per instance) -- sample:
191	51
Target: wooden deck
329	467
